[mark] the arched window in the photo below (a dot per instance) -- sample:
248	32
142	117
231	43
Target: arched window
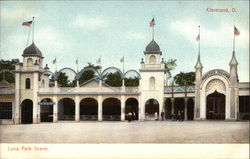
43	83
29	62
152	59
27	83
152	83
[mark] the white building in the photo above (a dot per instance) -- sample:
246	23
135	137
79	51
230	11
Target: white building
34	98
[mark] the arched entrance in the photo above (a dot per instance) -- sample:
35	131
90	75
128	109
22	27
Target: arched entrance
215	106
46	110
66	109
179	105
190	109
151	107
27	111
168	108
131	105
111	109
88	109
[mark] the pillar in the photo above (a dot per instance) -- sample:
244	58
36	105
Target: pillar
99	108
77	109
55	109
122	108
185	108
17	98
35	101
172	105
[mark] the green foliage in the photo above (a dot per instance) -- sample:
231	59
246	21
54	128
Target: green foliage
114	79
8	65
169	66
63	80
87	75
185	79
131	82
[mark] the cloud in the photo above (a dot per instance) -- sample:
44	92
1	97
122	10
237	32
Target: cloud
134	36
17	13
90	23
214	37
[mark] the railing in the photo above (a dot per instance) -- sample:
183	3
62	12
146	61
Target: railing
88	117
111	117
179	89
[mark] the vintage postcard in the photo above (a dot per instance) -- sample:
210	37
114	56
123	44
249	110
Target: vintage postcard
124	79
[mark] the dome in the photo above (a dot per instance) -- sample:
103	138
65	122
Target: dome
32	50
152	47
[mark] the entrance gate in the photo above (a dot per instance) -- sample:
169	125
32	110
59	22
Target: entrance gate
26	111
216	106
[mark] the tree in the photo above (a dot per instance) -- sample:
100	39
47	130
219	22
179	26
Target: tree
169	66
113	79
8	65
89	74
132	82
185	79
62	80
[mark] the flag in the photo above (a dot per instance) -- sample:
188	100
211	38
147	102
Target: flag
28	23
122	59
54	61
198	38
236	31
152	23
98	61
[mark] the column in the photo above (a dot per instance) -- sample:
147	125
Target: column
17	99
172	105
185	107
122	108
139	108
99	108
35	101
55	109
77	109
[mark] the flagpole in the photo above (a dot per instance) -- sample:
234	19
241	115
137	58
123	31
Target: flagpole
77	64
199	41
28	38
123	64
234	40
153	32
33	29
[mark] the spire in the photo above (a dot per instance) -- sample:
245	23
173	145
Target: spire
198	63
233	60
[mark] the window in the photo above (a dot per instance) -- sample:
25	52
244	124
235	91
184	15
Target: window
244	104
152	83
43	83
29	62
27	83
5	110
152	59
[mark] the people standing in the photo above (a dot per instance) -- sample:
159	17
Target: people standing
162	115
129	117
182	115
179	115
156	116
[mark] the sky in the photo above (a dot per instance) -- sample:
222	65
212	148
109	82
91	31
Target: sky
88	30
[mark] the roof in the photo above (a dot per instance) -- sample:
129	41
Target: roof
32	50
152	48
233	60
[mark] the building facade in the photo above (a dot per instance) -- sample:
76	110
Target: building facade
34	97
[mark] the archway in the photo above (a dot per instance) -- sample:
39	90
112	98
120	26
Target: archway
88	109
215	106
111	109
151	107
168	108
66	109
27	111
179	105
190	109
46	110
131	105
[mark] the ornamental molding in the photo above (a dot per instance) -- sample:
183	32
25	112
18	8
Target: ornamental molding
215	72
215	84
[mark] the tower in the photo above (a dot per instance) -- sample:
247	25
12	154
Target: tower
198	79
27	77
234	88
152	73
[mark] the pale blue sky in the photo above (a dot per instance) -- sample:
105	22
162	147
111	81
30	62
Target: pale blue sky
112	29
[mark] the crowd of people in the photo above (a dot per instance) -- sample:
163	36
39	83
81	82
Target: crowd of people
131	116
